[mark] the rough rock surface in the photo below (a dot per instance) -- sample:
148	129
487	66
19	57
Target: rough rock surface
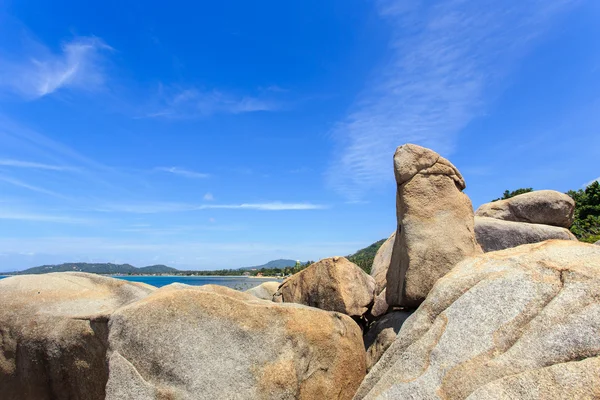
495	234
189	343
435	224
518	323
597	243
332	284
381	263
382	334
380	306
264	291
53	333
547	207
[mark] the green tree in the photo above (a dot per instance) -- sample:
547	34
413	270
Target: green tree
586	223
508	194
364	257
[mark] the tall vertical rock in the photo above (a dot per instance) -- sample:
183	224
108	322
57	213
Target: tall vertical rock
435	224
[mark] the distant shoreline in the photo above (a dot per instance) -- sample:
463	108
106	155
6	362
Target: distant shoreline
164	275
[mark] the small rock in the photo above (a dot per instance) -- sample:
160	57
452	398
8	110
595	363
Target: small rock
264	291
382	334
381	263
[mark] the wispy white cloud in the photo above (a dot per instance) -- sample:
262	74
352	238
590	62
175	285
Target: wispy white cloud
154	208
33	165
37	217
25	185
209	197
183	172
80	65
446	62
192	102
274	206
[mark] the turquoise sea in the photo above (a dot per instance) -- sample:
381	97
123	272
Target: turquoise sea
234	282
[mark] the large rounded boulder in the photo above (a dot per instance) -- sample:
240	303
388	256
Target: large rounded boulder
519	323
53	333
190	343
547	207
495	234
332	284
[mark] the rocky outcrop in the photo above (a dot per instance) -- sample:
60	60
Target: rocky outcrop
597	243
53	332
381	263
332	284
435	224
264	291
382	334
184	343
495	234
518	323
547	207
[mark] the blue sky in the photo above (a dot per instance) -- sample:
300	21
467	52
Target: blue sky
224	134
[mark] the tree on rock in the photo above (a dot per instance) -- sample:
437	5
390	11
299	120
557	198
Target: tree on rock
508	194
586	225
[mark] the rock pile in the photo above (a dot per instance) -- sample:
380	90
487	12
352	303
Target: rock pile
519	321
527	218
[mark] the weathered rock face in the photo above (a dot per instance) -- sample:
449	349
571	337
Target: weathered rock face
380	306
264	291
547	207
381	263
597	243
188	343
53	333
382	334
332	284
495	234
435	224
518	323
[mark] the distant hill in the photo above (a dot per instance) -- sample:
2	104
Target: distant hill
364	257
103	268
274	264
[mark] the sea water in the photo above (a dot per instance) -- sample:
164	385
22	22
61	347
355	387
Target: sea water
234	282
